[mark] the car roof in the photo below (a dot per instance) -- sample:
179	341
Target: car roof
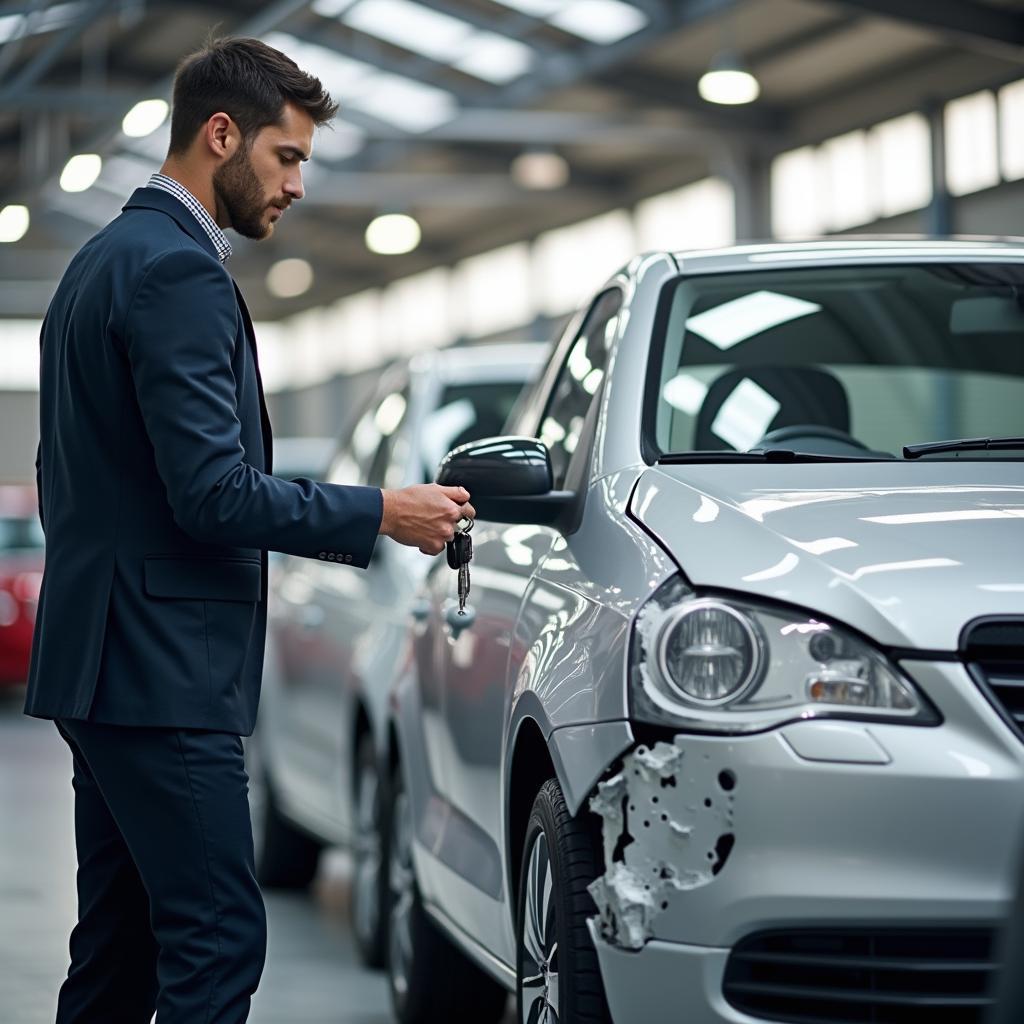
839	251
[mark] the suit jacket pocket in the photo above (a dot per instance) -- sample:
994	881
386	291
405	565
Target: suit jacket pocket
210	579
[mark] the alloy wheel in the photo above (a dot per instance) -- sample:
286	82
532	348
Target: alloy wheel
366	880
539	951
401	883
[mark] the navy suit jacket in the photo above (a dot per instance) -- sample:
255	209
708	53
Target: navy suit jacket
155	497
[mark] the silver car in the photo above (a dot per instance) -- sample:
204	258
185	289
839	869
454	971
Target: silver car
730	730
334	633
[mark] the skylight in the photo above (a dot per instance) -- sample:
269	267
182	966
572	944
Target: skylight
735	321
597	21
441	37
395	99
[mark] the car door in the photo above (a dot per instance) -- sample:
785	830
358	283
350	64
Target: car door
473	656
329	612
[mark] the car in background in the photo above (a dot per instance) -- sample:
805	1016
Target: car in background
302	456
334	634
732	729
21	574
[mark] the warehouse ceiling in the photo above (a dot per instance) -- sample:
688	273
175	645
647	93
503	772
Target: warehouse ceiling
612	88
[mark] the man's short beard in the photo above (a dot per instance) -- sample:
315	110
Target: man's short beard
239	191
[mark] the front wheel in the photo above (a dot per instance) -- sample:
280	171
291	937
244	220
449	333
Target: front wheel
372	847
430	980
557	974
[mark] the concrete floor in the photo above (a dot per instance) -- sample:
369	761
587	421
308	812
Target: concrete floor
311	976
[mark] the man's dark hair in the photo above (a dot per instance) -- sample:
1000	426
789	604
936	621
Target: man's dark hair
249	81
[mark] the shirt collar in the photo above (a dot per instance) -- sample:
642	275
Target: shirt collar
196	208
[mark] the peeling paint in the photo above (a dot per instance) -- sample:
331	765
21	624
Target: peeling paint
667	827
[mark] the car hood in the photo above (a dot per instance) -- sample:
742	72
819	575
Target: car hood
906	552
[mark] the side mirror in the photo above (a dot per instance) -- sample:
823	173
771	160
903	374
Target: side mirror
509	480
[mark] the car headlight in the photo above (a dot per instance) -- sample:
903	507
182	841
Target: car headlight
731	665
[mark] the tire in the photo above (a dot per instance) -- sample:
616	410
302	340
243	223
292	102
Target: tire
557	973
429	978
286	857
371	850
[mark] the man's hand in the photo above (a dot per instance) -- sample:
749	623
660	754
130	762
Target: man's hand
424	515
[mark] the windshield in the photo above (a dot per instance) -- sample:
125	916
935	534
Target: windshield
856	361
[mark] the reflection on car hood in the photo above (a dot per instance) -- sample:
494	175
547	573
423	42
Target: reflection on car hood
907	553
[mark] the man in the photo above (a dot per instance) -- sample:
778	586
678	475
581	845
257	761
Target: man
158	510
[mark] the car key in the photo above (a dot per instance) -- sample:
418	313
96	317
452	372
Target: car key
460	553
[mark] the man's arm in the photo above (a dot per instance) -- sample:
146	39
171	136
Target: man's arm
179	333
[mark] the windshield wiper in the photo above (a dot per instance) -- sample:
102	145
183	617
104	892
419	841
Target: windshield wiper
760	455
964	444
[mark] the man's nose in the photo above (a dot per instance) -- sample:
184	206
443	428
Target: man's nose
293	185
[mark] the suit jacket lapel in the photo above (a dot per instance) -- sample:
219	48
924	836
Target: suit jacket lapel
250	337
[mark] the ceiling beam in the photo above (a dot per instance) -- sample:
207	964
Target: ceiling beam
977	26
376	189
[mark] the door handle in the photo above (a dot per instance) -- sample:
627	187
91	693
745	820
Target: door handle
456	622
420	610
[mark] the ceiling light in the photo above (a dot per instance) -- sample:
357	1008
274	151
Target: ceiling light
80	172
13	223
727	81
392	234
494	58
540	169
144	118
288	278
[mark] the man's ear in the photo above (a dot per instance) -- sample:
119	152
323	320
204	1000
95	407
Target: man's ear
221	135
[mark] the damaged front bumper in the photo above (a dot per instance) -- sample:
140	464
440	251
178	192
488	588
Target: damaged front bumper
710	839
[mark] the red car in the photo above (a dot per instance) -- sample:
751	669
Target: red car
21	572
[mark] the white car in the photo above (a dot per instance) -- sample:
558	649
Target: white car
730	730
333	633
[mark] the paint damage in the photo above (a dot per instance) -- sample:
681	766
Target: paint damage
667	827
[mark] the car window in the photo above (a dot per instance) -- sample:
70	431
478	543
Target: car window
20	534
873	356
464	413
578	382
379	442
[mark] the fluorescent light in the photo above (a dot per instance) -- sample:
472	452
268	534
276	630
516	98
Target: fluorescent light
735	321
494	58
726	81
80	172
45	20
599	21
392	234
744	416
411	26
14	222
540	169
288	278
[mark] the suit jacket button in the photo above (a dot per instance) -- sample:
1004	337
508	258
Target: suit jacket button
348	558
330	557
323	554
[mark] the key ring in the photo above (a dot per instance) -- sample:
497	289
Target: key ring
459	528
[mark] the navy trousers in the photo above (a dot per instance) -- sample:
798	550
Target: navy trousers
170	918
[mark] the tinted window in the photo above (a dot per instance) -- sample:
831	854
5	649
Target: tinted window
578	382
883	356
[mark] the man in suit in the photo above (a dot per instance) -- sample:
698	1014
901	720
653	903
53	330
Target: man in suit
158	507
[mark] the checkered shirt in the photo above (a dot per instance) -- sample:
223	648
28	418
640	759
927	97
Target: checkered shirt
196	208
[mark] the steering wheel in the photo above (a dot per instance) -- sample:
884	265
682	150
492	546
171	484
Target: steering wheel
802	430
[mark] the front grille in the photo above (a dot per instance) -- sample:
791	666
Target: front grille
994	650
862	976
